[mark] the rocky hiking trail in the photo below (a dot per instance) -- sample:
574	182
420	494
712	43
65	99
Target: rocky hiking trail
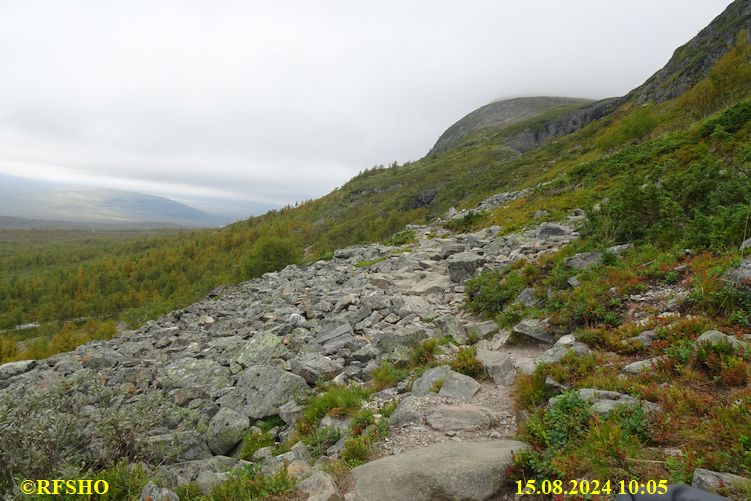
256	350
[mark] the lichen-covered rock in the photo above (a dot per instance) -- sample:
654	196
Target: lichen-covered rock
313	367
226	429
262	390
534	328
561	348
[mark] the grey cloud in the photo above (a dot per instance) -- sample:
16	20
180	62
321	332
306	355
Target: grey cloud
281	101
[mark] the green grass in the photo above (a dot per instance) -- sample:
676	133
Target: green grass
252	442
335	401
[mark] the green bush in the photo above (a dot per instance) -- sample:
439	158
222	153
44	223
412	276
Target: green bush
386	376
635	126
424	353
732	120
319	442
466	362
254	441
402	238
361	420
41	434
704	205
248	483
567	420
357	449
270	253
336	401
491	291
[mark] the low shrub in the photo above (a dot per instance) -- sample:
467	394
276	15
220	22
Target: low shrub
336	401
424	353
492	290
254	441
248	483
386	376
402	238
466	362
319	442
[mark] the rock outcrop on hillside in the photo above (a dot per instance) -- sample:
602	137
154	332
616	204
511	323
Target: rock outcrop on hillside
692	61
501	114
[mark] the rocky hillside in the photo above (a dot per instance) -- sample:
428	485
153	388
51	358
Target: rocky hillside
368	357
591	320
501	114
197	383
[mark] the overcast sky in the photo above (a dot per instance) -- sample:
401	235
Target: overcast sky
280	101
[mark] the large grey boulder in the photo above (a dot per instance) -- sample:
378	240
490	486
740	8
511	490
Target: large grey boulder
465	471
408	337
432	283
561	348
547	230
448	325
407	412
152	492
261	350
740	273
462	417
644	339
462	266
12	369
715	338
208	470
314	366
320	487
481	330
201	374
533	328
527	298
335	336
452	384
498	366
262	390
178	446
714	481
226	429
642	365
585	260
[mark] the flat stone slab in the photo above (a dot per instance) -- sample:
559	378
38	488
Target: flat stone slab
453	470
463	417
452	384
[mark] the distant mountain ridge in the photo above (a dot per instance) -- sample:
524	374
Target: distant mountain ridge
26	203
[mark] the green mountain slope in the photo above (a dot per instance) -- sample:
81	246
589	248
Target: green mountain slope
586	152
